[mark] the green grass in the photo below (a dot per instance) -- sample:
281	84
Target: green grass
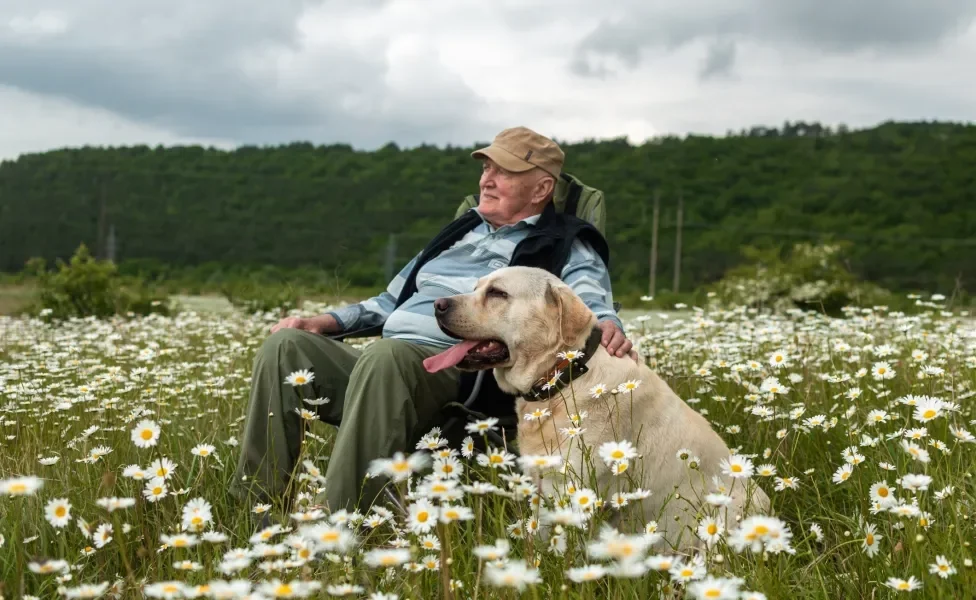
65	391
14	298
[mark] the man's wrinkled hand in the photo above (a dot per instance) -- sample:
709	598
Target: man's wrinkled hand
293	323
615	341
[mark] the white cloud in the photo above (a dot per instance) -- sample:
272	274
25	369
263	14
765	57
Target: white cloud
35	123
447	71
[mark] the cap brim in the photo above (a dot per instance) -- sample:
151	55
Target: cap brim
504	159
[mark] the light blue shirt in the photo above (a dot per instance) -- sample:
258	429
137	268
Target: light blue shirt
456	271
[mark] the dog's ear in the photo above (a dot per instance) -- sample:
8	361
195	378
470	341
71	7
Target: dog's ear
574	315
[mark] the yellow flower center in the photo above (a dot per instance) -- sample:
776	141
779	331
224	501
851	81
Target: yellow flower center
423	516
929	414
299	379
617	454
157	491
761	530
883	492
330	536
495	459
60	511
736	468
204	452
712	529
902	585
283	590
869	540
584	500
713	593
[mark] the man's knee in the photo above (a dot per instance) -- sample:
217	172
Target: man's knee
273	346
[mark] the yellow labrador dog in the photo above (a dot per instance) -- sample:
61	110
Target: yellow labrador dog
520	321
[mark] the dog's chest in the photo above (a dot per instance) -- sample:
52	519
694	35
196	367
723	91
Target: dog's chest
541	435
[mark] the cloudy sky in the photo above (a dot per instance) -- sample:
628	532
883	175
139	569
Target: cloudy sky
365	72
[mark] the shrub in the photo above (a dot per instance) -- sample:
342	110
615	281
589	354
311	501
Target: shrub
811	277
87	287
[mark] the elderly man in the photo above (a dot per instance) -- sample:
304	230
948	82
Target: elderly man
381	398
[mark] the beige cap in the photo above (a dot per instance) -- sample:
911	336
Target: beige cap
519	149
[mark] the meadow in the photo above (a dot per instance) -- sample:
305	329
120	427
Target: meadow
120	437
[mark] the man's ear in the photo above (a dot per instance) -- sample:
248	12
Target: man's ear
543	190
573	316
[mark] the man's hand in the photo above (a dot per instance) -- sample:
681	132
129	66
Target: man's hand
321	324
615	341
292	323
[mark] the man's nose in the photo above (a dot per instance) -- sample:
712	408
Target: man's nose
441	305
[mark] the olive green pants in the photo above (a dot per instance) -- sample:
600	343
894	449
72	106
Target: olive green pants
381	399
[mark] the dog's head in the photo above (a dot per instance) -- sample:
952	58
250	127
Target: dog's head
515	321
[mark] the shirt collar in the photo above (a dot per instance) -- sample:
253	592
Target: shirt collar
526	222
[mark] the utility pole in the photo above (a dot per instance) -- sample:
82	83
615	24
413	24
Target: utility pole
110	244
390	257
100	239
657	209
677	245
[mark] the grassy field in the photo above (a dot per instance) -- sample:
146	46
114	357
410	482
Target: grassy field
855	427
14	298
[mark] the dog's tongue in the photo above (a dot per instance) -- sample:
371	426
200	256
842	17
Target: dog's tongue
449	357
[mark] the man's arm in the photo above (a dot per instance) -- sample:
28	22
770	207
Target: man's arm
373	311
586	273
589	278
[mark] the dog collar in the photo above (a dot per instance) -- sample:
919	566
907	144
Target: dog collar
573	362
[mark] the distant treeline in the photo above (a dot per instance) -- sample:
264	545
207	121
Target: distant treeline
904	193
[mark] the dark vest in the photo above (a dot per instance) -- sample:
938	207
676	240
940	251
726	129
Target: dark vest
547	246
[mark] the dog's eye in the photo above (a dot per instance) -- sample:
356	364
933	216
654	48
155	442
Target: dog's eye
495	293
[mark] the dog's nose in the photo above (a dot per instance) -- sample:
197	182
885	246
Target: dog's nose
441	305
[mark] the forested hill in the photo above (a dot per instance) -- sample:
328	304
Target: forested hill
904	193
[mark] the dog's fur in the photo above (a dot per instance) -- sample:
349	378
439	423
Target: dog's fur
537	316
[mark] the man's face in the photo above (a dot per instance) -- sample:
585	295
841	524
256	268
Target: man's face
508	197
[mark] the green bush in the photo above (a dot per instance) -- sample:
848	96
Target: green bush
87	287
811	277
